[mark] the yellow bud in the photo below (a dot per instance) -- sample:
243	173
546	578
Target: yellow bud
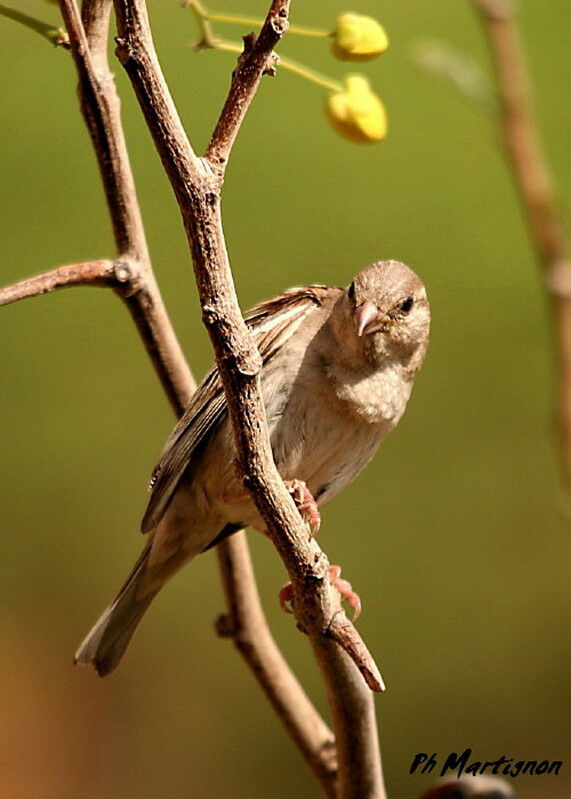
358	38
356	112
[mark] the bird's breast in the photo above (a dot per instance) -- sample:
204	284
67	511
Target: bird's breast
326	437
378	397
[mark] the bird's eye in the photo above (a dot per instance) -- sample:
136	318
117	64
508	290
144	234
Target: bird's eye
406	306
351	291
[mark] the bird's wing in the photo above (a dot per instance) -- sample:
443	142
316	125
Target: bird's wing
271	324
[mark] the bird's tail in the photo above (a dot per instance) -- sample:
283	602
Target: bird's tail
106	642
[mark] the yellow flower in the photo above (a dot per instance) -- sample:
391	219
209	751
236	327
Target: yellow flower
356	112
358	38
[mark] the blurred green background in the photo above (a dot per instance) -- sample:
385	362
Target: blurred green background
456	536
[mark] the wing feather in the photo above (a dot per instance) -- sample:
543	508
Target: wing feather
271	323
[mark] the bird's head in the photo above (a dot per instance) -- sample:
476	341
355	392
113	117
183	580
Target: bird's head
389	312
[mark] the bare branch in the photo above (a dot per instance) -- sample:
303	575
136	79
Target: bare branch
247	626
88	273
533	182
131	276
136	51
520	130
100	108
197	190
343	632
354	724
238	361
258	59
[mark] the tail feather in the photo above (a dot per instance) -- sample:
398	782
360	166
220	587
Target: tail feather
106	642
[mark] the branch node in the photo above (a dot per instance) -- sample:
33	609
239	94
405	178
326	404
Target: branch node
123	51
224	626
248	363
123	271
246	360
62	39
279	23
321	565
249	40
272	65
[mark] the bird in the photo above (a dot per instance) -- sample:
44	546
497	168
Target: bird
338	366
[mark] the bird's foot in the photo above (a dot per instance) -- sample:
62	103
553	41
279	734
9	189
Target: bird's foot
346	590
285	596
343	586
305	504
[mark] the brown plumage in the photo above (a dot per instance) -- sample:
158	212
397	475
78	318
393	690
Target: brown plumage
338	368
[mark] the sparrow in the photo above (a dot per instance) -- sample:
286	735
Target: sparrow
338	370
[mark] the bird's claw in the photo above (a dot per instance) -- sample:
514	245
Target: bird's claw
306	504
346	590
344	587
286	595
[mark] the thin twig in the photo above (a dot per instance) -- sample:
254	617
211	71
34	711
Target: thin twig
535	187
257	60
89	273
197	189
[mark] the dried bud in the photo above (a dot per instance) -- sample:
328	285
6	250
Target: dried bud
356	112
358	38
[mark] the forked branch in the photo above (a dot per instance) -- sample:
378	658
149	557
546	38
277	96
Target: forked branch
100	108
196	185
197	189
131	276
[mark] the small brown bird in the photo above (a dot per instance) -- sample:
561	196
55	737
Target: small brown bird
338	369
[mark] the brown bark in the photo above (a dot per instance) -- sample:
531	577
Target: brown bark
536	191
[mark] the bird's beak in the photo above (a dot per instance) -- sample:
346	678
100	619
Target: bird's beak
369	318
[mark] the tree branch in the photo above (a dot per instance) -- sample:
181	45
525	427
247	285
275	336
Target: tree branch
257	60
197	189
246	625
89	273
100	108
238	361
304	723
132	277
535	187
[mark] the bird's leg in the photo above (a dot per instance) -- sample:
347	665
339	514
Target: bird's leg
345	589
303	499
305	504
343	586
